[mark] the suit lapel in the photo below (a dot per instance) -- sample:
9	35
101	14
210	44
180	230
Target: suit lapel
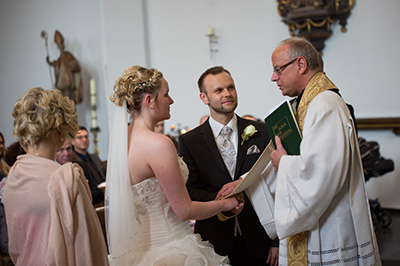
207	137
241	124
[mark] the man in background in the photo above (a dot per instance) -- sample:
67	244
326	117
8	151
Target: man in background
80	154
64	155
159	127
204	119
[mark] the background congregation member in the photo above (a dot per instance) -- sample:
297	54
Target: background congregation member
204	119
64	155
12	152
320	200
147	203
250	117
50	218
81	143
215	158
4	167
160	127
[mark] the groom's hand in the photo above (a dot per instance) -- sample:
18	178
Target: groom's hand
223	216
240	198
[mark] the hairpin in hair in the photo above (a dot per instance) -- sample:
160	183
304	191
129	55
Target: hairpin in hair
143	84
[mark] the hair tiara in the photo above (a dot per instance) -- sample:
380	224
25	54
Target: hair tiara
146	83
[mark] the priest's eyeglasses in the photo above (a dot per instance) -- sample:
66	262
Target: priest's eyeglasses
278	70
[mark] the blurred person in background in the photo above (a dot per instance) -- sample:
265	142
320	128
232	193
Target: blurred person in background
64	155
4	168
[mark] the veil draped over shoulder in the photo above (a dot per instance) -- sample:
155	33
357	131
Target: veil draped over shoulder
119	207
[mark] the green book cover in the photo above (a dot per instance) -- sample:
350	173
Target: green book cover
282	123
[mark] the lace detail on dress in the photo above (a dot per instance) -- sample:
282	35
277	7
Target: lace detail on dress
184	169
141	196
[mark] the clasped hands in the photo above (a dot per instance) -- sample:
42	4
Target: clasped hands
225	191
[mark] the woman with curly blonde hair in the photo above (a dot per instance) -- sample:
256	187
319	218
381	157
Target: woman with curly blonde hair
147	204
50	218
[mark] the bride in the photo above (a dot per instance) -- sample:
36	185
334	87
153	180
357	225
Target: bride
147	204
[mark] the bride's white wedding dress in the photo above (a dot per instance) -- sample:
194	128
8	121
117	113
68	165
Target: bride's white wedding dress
163	238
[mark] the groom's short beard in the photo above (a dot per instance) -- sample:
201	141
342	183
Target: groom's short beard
223	110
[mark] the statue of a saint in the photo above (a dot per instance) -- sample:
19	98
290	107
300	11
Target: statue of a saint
67	72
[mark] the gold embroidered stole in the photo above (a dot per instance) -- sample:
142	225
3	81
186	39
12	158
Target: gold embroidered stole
297	244
317	84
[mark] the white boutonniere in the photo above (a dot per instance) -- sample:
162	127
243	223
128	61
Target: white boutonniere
248	132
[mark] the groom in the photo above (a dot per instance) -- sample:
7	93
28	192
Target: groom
214	159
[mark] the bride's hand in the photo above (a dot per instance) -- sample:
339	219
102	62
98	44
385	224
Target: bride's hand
229	204
228	188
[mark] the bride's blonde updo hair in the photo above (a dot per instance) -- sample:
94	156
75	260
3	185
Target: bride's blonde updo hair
135	82
40	112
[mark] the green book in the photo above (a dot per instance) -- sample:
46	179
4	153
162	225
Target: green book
282	123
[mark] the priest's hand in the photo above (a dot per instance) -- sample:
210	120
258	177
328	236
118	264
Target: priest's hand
277	154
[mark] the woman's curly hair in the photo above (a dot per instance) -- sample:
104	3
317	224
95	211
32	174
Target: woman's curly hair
133	84
40	112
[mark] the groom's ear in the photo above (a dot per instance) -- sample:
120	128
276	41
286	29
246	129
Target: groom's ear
204	98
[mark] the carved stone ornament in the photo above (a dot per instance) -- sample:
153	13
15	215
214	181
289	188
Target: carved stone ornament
312	19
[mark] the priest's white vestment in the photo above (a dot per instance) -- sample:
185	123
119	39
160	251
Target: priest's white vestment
322	191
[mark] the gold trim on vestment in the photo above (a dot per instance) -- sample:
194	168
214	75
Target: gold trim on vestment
317	84
297	249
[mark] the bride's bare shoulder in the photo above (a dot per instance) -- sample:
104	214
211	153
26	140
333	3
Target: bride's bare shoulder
161	141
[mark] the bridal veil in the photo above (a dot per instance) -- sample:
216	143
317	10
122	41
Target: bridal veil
119	207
